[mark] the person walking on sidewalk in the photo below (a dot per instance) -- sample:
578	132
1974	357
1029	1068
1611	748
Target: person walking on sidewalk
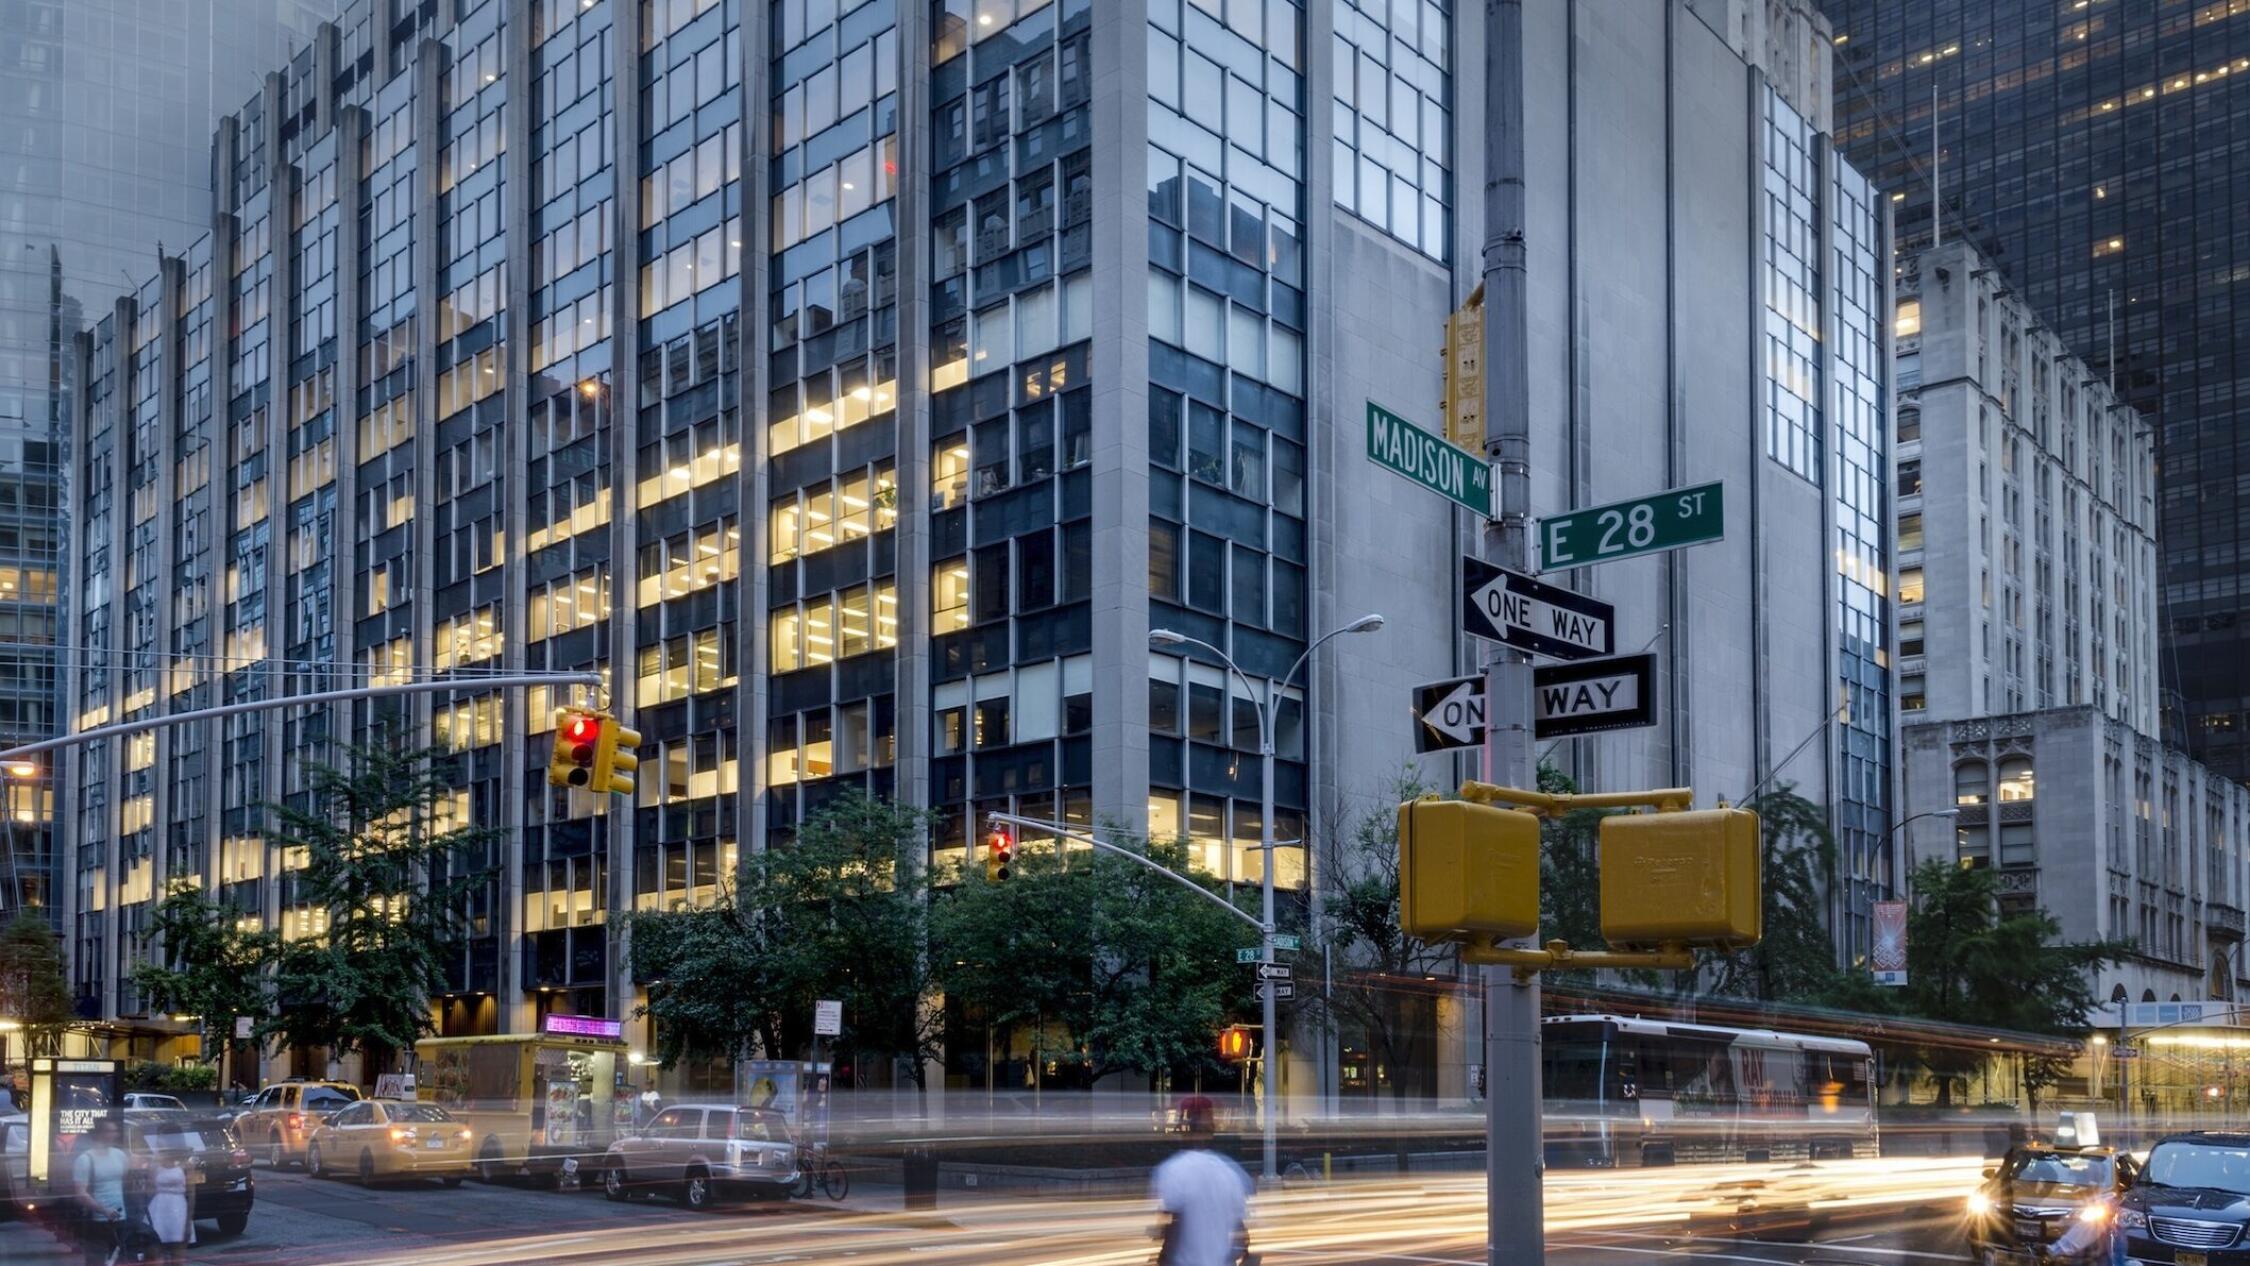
1204	1198
97	1177
171	1204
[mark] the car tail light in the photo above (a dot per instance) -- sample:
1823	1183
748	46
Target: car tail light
239	1158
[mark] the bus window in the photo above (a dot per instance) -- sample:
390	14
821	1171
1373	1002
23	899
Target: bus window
1571	1068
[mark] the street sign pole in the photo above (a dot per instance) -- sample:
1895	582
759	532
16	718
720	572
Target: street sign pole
1514	1155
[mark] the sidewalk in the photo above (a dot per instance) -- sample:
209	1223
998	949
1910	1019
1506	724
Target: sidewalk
29	1244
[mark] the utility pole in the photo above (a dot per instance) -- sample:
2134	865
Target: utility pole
1514	1153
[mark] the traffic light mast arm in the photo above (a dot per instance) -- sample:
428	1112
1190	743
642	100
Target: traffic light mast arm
1547	804
1559	955
1084	837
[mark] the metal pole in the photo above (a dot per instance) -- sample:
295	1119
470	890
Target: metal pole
1266	1001
1514	1157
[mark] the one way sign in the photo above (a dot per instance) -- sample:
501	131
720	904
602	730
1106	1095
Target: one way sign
1451	713
1510	607
1593	695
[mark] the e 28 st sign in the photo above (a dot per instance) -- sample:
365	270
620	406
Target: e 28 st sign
1646	525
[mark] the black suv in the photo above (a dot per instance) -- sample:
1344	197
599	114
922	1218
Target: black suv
225	1189
2190	1204
2036	1195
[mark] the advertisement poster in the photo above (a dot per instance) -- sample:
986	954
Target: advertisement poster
1888	958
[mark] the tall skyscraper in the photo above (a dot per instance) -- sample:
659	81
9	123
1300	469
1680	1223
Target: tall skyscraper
2081	148
107	108
1073	312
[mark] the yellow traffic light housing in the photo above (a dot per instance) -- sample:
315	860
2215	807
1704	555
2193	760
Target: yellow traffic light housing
1466	870
578	735
1684	878
616	757
999	855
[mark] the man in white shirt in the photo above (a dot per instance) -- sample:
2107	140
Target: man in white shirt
1204	1197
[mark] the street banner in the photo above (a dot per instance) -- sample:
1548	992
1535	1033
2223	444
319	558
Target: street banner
1888	958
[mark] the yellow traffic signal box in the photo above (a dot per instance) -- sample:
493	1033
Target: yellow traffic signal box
1467	870
1688	878
616	757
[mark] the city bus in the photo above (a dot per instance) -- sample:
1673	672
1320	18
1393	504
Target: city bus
1625	1092
539	1104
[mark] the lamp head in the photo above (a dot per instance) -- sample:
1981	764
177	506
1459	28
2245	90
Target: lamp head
1165	637
1368	623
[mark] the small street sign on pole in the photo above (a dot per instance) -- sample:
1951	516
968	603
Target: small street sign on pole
1428	460
1280	988
1593	695
1645	525
1509	607
828	1018
1450	713
1273	971
1246	955
1287	941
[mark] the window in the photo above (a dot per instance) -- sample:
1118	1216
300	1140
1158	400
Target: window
1909	425
1973	846
1910	585
1972	782
2017	781
949	596
1911	693
2016	845
1909	321
1910	531
1910	637
1910	478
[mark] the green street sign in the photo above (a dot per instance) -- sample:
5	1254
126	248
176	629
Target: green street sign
1248	955
1287	941
1645	525
1428	460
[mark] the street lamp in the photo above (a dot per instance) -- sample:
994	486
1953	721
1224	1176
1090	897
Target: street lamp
1265	709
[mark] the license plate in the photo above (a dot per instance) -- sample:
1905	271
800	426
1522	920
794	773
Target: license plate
2030	1230
2190	1259
435	1145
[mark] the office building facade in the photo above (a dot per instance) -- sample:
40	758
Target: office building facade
2073	148
109	105
859	384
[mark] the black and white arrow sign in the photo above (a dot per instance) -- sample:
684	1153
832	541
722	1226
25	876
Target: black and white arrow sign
1593	695
1451	713
1273	971
1509	607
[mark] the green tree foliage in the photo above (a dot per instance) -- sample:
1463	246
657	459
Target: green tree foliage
384	857
837	913
1795	959
212	967
1970	963
1376	990
1131	970
33	990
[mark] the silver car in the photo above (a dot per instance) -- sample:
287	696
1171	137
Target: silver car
703	1152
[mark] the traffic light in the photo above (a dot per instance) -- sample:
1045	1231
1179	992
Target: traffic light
1689	877
616	757
1463	406
1467	871
1234	1043
578	734
999	855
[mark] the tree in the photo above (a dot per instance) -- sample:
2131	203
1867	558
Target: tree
33	989
837	913
1970	962
1378	970
213	968
1132	970
392	870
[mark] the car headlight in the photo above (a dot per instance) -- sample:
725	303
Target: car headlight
2094	1214
1979	1204
2131	1219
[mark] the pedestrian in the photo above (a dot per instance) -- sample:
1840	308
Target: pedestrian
1204	1198
97	1178
171	1204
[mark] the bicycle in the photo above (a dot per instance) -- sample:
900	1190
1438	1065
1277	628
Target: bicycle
822	1170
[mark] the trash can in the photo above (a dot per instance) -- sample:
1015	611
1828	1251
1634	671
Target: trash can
919	1172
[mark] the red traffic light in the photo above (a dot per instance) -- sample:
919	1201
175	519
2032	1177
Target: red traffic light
999	854
585	729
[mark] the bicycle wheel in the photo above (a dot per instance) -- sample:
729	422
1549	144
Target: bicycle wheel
834	1181
806	1179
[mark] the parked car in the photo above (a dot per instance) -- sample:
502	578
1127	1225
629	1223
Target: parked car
376	1139
703	1152
161	1103
280	1121
2190	1203
225	1189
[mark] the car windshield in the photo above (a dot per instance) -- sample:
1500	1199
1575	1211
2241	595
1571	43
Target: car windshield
2189	1163
2057	1170
416	1113
327	1098
173	1138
